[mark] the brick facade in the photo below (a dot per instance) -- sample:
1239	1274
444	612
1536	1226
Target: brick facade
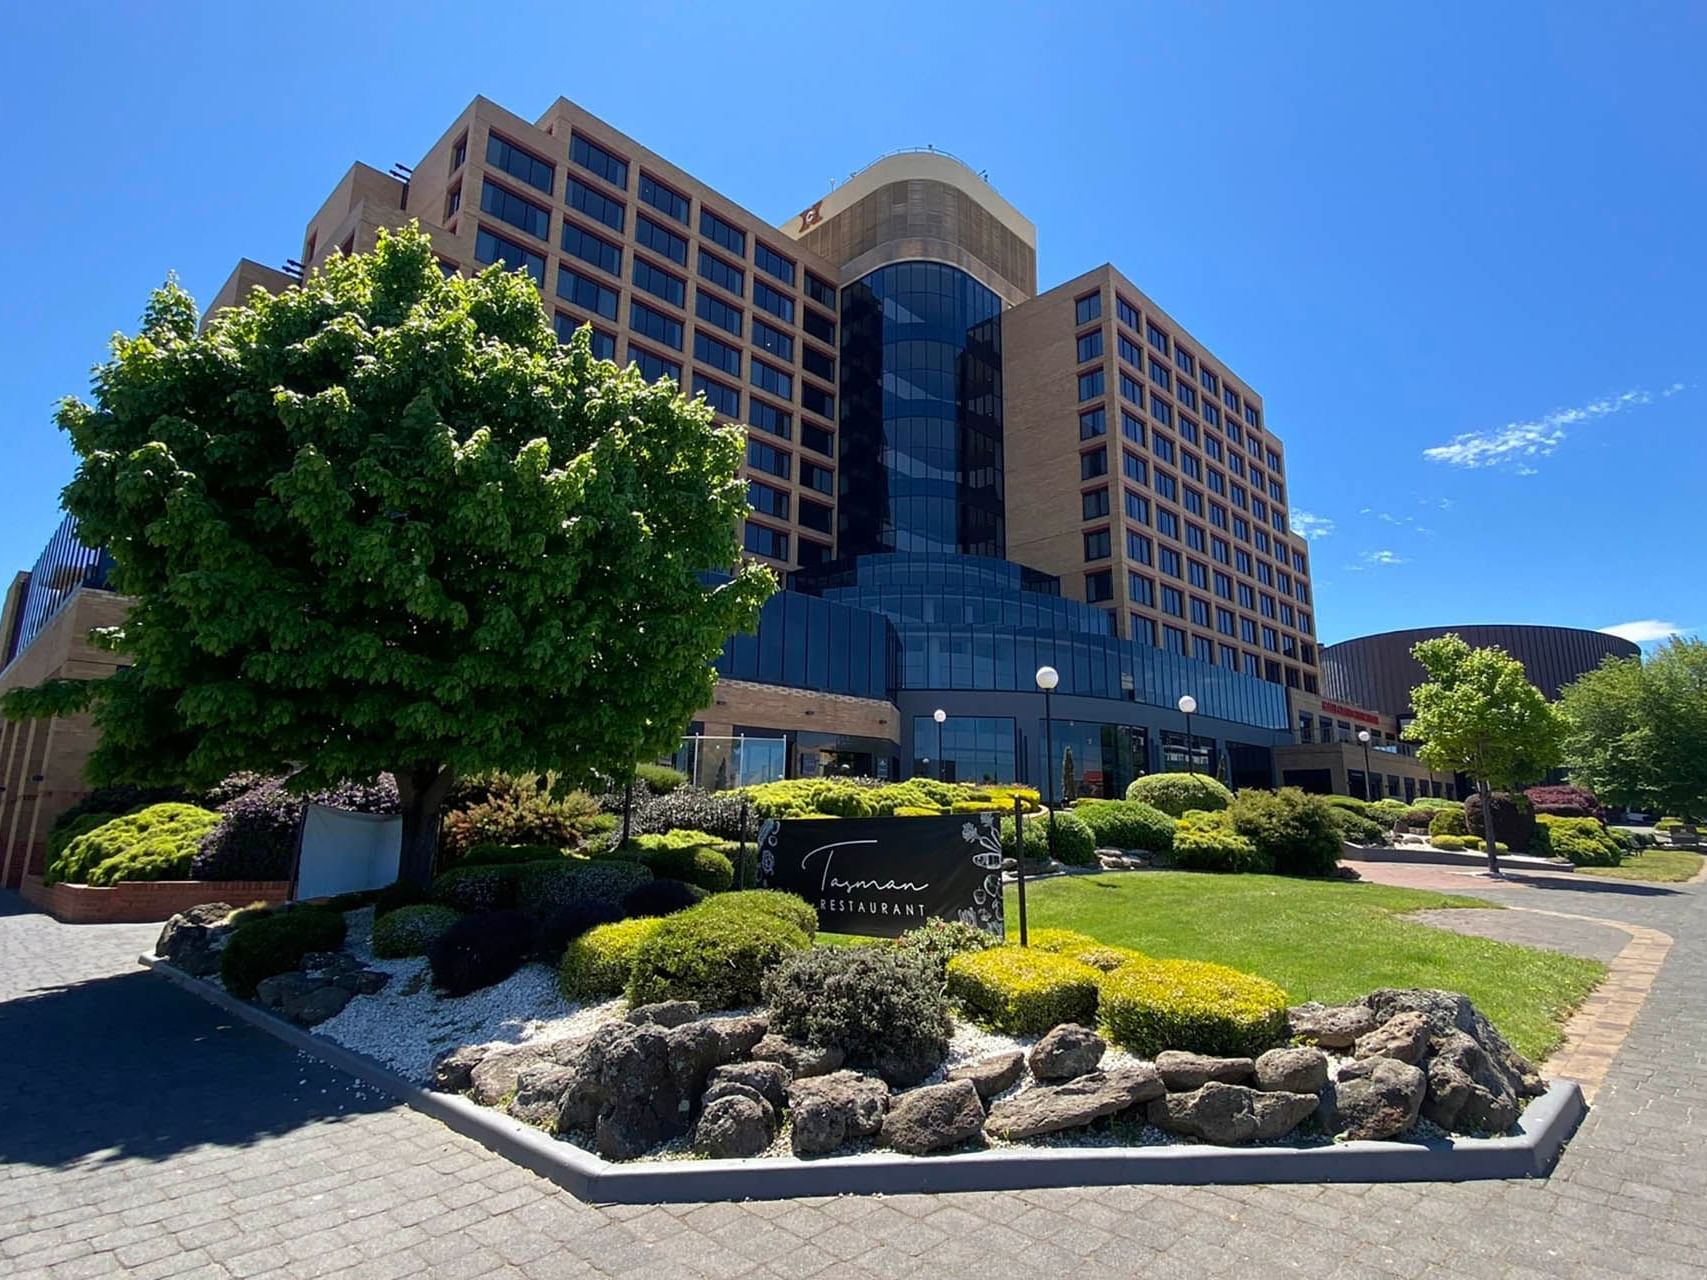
143	901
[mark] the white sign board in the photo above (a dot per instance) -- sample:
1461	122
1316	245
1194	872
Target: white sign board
345	852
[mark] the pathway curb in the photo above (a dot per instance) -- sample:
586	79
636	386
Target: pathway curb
1542	1132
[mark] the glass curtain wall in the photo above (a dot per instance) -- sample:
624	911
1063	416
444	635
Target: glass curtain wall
1091	760
974	749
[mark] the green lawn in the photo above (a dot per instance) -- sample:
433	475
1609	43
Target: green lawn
1320	939
1666	866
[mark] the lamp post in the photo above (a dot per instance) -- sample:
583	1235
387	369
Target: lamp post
939	715
1188	704
1047	679
1363	737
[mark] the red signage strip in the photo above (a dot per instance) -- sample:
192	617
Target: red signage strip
1350	713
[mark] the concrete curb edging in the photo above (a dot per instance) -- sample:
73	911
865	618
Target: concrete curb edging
1530	1153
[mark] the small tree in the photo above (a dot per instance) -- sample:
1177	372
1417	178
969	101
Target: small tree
384	521
1478	714
1069	778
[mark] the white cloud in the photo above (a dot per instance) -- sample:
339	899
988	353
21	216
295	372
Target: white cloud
1307	525
1515	442
1643	630
1382	557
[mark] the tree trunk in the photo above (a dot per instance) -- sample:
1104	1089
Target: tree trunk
1487	794
422	791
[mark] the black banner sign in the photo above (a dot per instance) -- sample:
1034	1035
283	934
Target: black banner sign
884	876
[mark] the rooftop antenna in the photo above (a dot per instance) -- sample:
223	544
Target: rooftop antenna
293	268
403	173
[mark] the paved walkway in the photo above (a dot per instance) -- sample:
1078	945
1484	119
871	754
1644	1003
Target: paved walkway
143	1134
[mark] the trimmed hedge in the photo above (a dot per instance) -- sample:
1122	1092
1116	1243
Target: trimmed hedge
1514	818
1176	794
1075	845
698	863
1295	831
542	887
480	950
1207	842
1466	843
1192	1006
661	898
81	825
263	946
660	779
1061	942
867	798
1022	991
883	1007
156	843
790	908
1388	811
1565	802
396	896
1583	840
1127	824
409	931
939	941
599	962
1106	959
487	888
1354	828
1448	822
716	957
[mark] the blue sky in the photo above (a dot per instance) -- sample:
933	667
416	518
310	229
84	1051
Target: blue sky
1457	248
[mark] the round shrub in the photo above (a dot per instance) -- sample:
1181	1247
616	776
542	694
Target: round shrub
490	888
1354	828
260	824
560	926
1074	843
1357	804
1193	1006
509	855
1415	818
1061	942
883	1007
1205	842
1022	991
1127	824
409	931
1461	844
718	813
661	898
504	809
1583	840
718	958
938	941
598	962
790	908
156	843
396	896
1177	793
1387	812
543	886
1565	802
81	825
1106	959
660	779
1514	818
123	799
263	946
480	950
1295	831
1448	822
707	868
1668	824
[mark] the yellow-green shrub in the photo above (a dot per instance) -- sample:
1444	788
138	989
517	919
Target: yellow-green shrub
1021	990
156	843
1063	942
1462	843
1106	959
1154	1005
598	962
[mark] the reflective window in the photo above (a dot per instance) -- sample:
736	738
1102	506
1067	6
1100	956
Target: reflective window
820	291
511	208
1090	345
767	417
818	363
714	310
596	204
1099	586
721	273
659	283
661	240
604	344
762	457
816	400
814	476
723	399
718	231
1141	590
1093	464
818	325
595	159
1094	503
707	350
521	164
1093	423
767	500
771	379
653	368
965	748
1097	545
818	439
815	515
670	203
771	262
1139	548
490	247
589	248
586	293
779	304
762	540
1090	385
1087	308
654	324
775	341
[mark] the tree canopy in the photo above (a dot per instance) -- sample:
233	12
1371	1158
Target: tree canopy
386	522
1477	713
1636	729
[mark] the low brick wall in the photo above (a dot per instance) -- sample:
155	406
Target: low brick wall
143	901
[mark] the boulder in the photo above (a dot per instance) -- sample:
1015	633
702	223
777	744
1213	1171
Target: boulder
933	1117
629	1067
665	1013
314	1007
193	939
1374	1098
1067	1051
1187	1071
1301	1070
739	1033
732	1127
996	1073
274	992
829	1111
1051	1108
768	1079
908	1060
492	1078
1331	1026
363	982
730	1089
694	1048
1468	1091
802	1060
1404	1037
1231	1114
539	1092
451	1070
1448	1011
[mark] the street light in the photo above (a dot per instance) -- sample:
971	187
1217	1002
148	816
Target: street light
1363	737
1188	704
939	715
1047	679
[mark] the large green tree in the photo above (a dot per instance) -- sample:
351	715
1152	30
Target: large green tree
385	522
1478	714
1636	729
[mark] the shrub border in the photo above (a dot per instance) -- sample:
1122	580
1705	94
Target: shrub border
1543	1130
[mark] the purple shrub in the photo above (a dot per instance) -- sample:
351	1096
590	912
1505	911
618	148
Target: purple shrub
257	833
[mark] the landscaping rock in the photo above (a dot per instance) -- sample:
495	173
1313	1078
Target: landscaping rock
694	1048
911	1061
629	1066
317	1005
802	1060
1231	1114
739	1034
994	1074
363	982
666	1013
1468	1091
934	1117
540	1087
273	992
1292	1071
1186	1071
730	1089
733	1127
1448	1011
1331	1026
1404	1037
493	1077
1067	1051
1374	1098
1051	1108
451	1070
768	1079
828	1111
193	939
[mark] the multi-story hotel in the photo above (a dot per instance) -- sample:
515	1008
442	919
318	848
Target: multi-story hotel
960	478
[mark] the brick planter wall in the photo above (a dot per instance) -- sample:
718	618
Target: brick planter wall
143	901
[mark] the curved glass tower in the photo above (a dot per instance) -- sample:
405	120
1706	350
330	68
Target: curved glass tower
921	429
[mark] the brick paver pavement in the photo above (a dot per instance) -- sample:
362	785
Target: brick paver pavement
143	1134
